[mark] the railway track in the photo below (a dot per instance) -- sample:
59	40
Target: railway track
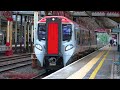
12	66
18	62
14	62
7	64
41	75
15	56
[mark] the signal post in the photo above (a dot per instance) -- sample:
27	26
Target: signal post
8	16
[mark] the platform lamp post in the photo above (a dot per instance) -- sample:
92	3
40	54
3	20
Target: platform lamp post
34	60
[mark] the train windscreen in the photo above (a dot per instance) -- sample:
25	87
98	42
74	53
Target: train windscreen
67	31
41	31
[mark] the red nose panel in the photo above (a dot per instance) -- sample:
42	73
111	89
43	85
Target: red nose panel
53	38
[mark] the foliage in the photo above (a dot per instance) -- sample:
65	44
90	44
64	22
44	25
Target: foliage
102	38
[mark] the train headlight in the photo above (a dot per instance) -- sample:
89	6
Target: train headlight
38	46
68	47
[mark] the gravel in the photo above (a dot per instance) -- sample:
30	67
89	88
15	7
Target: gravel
25	72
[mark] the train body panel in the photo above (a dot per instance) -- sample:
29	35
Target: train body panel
40	53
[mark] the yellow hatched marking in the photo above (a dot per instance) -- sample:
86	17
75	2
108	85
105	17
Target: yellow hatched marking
99	66
84	70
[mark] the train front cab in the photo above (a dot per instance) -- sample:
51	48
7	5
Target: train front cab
55	43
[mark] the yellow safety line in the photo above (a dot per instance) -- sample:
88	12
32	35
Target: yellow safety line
99	66
84	70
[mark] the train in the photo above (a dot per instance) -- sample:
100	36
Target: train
59	39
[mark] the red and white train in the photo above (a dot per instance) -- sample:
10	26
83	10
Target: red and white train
59	39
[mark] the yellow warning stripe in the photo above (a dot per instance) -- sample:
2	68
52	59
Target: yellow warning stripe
84	70
99	66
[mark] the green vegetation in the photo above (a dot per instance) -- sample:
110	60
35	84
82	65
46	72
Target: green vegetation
102	38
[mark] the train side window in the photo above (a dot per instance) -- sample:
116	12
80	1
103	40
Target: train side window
85	40
76	29
78	38
82	37
75	35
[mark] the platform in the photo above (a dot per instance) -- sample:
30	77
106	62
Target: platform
97	65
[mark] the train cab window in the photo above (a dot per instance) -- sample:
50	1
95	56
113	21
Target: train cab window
41	31
67	32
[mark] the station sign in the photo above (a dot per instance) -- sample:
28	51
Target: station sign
116	30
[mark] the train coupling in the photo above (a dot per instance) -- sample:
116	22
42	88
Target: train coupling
52	61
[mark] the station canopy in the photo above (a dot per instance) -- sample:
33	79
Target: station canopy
89	19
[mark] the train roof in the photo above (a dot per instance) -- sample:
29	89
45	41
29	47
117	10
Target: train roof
64	19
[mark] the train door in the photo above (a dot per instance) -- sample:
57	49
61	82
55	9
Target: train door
78	37
53	41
